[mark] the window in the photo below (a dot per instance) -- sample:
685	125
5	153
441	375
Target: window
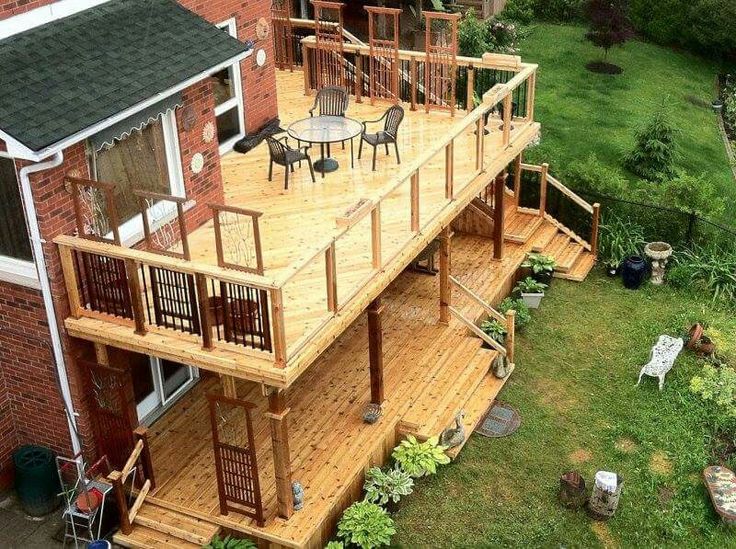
14	240
228	99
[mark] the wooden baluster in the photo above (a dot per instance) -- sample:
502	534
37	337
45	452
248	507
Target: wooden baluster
470	96
415	202
510	334
543	189
479	143
278	328
499	215
445	266
134	286
376	236
594	231
70	280
413	76
141	433
122	502
359	78
507	120
205	319
449	170
331	276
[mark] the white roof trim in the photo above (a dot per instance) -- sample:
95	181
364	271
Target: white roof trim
44	14
18	150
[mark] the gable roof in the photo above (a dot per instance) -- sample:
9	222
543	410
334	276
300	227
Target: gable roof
63	77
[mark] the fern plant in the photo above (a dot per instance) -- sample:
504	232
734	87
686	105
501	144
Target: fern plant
366	525
420	458
383	486
230	542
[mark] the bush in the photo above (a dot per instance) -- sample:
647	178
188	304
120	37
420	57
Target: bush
653	156
383	486
366	525
619	239
524	11
523	315
718	386
476	37
692	194
712	271
591	175
521	11
230	542
419	459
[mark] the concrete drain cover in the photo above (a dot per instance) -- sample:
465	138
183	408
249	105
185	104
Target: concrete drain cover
501	420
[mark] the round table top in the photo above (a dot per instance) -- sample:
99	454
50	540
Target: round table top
325	129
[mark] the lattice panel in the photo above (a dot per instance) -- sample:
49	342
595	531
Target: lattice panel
103	284
383	40
238	238
164	224
94	209
441	65
330	59
243	314
283	37
235	457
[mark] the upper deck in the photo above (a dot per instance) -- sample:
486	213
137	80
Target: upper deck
328	248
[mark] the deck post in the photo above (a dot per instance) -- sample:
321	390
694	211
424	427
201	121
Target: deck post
277	414
134	287
375	350
413	77
306	69
594	230
415	202
359	79
229	386
499	192
470	89
543	190
445	265
517	179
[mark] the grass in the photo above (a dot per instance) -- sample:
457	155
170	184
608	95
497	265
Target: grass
583	113
577	363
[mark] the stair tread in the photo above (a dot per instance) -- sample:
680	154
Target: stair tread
143	537
477	405
543	236
152	515
558	243
569	256
521	226
583	265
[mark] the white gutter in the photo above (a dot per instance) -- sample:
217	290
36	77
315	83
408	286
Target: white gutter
43	278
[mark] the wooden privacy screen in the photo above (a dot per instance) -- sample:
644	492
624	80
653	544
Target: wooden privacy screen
237	238
171	299
94	209
103	284
114	416
383	40
329	44
283	41
238	485
440	69
169	231
241	315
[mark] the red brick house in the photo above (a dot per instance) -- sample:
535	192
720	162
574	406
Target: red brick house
144	92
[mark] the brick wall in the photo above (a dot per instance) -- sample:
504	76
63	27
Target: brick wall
9	8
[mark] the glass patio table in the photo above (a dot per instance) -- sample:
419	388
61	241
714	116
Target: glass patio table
326	130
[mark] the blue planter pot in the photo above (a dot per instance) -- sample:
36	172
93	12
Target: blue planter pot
634	272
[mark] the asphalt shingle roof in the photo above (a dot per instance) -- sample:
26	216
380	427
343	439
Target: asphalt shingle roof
67	75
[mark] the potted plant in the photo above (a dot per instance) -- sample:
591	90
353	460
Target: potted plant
541	266
531	291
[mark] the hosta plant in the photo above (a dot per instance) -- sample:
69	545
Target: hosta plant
523	316
383	486
494	329
420	458
335	545
530	286
540	264
230	542
365	525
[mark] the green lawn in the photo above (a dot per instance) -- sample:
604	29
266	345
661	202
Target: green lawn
577	363
582	112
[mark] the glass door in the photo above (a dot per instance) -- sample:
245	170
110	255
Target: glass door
158	383
228	93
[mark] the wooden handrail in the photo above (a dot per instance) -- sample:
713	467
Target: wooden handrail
475	297
477	331
570	194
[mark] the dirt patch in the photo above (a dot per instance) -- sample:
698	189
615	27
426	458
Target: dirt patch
660	463
625	445
664	495
723	448
555	394
581	455
601	67
601	531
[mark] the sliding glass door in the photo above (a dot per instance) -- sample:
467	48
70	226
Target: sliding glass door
157	383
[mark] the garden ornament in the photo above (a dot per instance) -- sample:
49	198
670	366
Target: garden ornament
721	484
298	493
659	253
500	367
372	413
572	490
662	358
454	436
606	493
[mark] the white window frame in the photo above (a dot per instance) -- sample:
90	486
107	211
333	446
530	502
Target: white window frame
131	232
236	101
156	403
13	270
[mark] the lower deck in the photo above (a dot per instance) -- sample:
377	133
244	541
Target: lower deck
431	371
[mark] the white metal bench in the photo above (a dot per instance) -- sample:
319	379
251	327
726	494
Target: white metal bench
662	358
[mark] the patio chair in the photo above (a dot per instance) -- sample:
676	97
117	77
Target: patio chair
392	120
331	101
283	155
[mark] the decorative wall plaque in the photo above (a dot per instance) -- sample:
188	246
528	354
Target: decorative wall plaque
188	118
208	132
263	29
261	57
197	163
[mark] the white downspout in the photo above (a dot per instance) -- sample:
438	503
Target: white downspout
43	278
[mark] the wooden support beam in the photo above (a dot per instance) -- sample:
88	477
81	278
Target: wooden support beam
415	202
136	298
594	231
375	350
278	327
70	279
445	266
278	418
499	193
203	300
229	386
517	180
359	79
376	236
413	76
543	189
331	276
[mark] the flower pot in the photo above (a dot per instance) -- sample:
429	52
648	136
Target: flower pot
532	300
717	105
659	253
633	272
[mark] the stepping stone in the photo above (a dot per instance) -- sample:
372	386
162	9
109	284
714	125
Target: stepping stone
721	484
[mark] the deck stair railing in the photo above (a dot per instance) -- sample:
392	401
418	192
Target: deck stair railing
508	321
138	468
547	184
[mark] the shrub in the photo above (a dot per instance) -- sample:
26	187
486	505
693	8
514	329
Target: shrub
692	194
540	264
718	386
420	458
476	37
383	486
609	23
335	545
494	329
523	315
711	270
619	239
559	10
593	176
521	11
230	542
654	153
530	286
366	525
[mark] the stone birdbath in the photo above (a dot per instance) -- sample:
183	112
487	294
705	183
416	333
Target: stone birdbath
659	253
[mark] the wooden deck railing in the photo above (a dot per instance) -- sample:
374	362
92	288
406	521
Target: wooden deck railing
547	182
140	463
508	321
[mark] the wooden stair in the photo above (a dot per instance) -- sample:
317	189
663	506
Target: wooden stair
573	261
520	226
157	527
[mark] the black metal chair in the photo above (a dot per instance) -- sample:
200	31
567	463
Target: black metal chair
392	120
331	101
284	155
